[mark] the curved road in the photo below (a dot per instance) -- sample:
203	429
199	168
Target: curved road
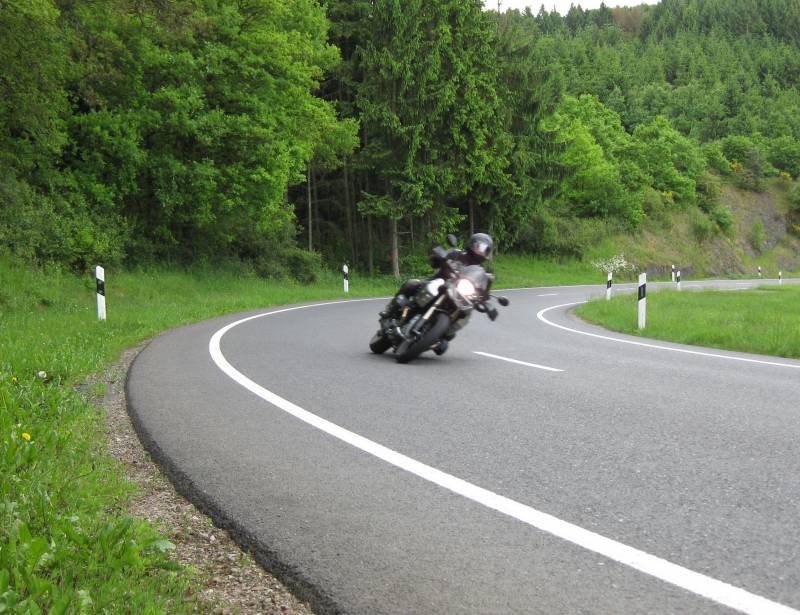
586	474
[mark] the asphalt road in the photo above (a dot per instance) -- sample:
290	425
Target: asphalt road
639	479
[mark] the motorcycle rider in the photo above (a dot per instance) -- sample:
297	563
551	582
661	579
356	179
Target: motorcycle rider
479	249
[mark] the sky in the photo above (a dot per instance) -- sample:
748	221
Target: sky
562	6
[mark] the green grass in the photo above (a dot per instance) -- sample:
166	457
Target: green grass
522	271
764	320
67	542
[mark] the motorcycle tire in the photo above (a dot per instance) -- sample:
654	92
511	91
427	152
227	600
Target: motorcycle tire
431	333
379	343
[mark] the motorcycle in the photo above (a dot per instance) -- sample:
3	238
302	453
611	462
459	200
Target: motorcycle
439	308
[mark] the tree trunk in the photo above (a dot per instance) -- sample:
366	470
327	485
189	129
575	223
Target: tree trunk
348	205
315	185
395	255
471	217
370	260
310	233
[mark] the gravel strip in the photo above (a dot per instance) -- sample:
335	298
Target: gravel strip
229	580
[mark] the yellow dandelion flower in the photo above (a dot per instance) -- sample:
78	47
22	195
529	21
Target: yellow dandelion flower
26	436
14	380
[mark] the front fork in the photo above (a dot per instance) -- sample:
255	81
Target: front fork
427	315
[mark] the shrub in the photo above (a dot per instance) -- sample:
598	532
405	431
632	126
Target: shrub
708	192
794	197
757	236
715	158
656	209
289	264
415	266
702	227
784	153
723	218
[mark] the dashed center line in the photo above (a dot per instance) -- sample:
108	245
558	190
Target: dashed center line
494	356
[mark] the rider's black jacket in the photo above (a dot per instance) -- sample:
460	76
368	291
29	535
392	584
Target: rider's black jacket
439	259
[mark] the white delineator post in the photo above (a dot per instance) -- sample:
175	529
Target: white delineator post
759	271
642	300
608	285
673	273
100	276
346	276
780	277
678	279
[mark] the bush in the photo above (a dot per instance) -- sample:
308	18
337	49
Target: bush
723	218
715	158
708	192
702	227
757	236
794	197
289	264
656	209
548	234
415	266
784	153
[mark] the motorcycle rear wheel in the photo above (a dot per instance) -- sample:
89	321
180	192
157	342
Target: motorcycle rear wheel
379	343
436	327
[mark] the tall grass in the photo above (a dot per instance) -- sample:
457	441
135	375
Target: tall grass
764	320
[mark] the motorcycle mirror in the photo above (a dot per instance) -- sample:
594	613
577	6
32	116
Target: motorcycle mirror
451	239
503	301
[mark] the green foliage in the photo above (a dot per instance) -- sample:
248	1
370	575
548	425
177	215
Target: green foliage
724	220
715	159
673	162
561	236
702	227
708	192
592	183
757	236
794	197
186	126
784	154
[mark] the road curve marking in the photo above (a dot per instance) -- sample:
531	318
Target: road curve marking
540	316
700	584
494	356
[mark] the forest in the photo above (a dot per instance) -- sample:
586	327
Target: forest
287	134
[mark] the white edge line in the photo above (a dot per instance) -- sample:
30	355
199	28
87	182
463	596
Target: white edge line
541	313
702	585
494	356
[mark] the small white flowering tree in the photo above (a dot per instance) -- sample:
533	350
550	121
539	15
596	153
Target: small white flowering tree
615	264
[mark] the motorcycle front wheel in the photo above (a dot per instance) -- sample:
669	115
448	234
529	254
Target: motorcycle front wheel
431	332
379	343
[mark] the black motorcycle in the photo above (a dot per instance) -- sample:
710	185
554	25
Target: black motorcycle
440	307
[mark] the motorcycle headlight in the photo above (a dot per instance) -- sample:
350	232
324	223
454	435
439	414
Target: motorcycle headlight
465	288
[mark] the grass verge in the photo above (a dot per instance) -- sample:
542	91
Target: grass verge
765	320
67	541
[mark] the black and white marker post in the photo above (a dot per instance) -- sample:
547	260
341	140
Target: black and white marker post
100	276
642	300
608	285
780	277
346	277
759	271
678	279
673	273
